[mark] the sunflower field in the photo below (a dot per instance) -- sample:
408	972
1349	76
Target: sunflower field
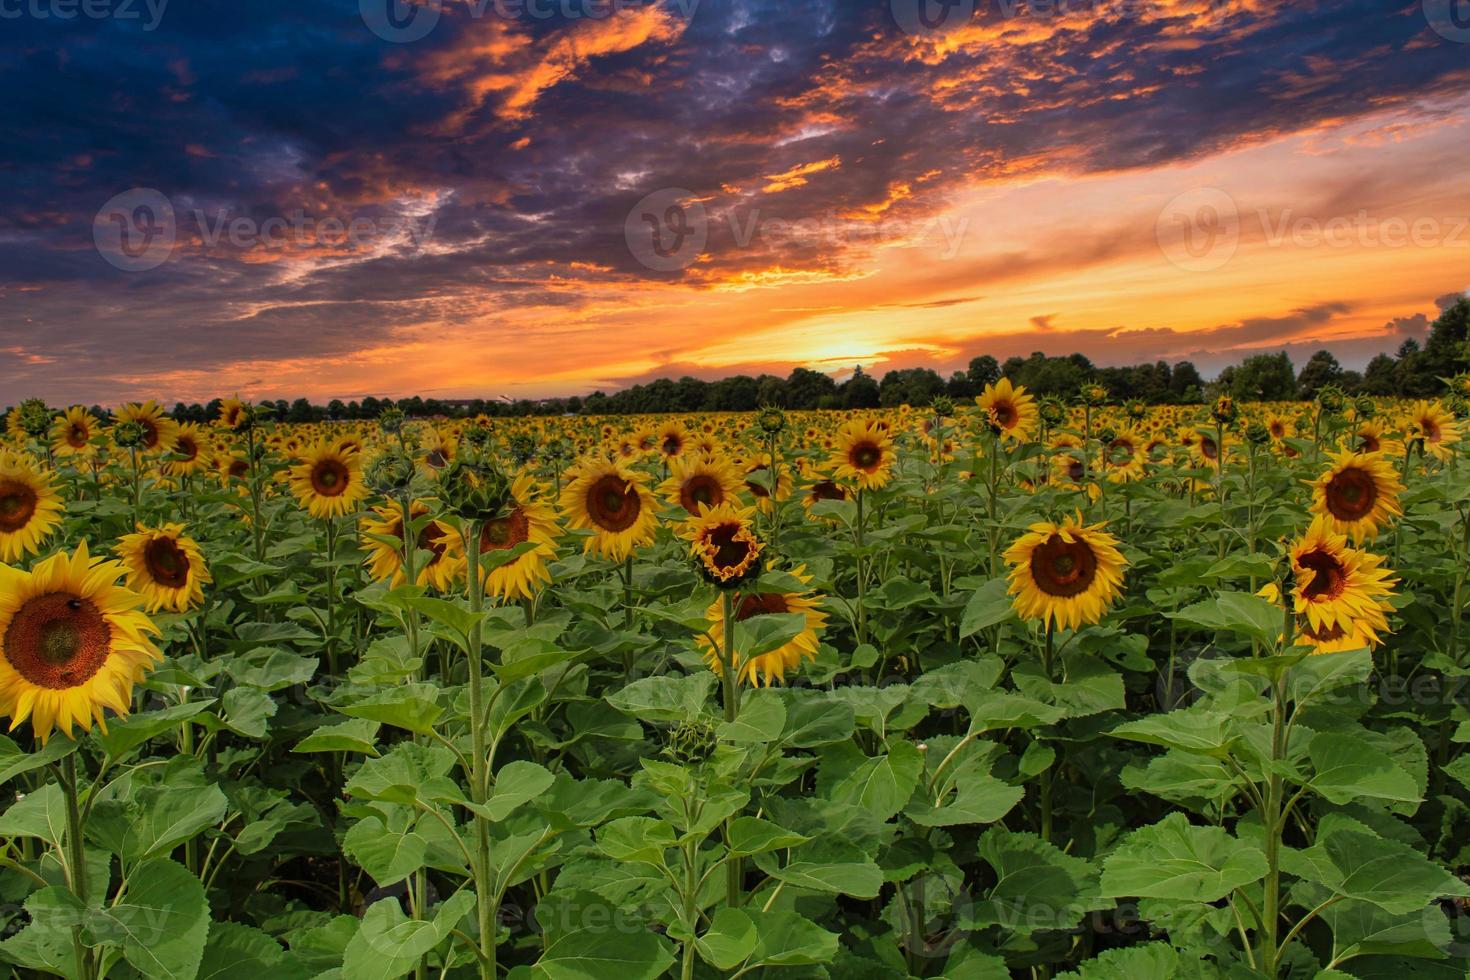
1014	688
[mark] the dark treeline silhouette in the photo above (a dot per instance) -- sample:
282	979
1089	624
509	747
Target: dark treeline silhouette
1414	371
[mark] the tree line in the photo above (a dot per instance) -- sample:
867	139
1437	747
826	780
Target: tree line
1414	371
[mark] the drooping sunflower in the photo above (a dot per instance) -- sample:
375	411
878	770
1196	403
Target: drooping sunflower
1336	587
159	431
165	567
72	642
190	452
771	667
30	507
72	432
862	455
529	520
724	543
612	501
1067	573
1358	494
385	560
1372	436
1011	409
1436	427
328	483
700	480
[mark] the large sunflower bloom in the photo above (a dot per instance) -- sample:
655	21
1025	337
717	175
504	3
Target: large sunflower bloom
165	567
1067	573
385	558
1010	408
862	455
159	431
700	480
328	483
724	543
1336	587
72	432
189	452
72	642
671	439
612	501
1436	427
773	666
529	520
1358	494
30	507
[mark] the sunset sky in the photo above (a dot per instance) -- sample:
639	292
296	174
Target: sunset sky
834	183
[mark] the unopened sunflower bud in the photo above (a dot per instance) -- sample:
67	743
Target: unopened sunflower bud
390	473
1224	411
34	417
474	489
1093	394
1106	435
771	420
521	448
1365	407
477	437
1136	408
1052	411
942	406
1257	434
1332	399
691	742
390	420
129	435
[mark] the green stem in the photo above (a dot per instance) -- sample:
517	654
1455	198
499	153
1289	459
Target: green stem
479	763
862	584
1272	821
1047	651
734	873
76	863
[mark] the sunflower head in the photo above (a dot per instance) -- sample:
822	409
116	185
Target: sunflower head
165	567
773	666
1067	574
327	481
475	489
1009	410
724	544
30	507
1358	494
863	455
72	642
612	502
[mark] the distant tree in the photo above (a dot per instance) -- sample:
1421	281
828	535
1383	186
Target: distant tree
860	391
1380	377
806	388
1184	382
771	390
1264	377
983	370
961	386
1320	371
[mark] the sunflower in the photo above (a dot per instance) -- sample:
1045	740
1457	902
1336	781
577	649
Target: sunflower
1371	436
165	567
612	501
670	439
72	432
30	507
159	431
773	666
1436	427
820	487
189	453
385	559
1337	587
528	520
1067	573
1068	467
1124	458
1010	409
233	413
723	542
328	483
862	455
1205	451
72	642
700	480
438	449
1358	494
758	481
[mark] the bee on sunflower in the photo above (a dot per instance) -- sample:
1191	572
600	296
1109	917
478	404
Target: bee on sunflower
773	666
696	481
1011	409
72	642
1358	494
1065	573
863	455
72	432
328	483
30	507
723	543
165	567
385	558
159	431
614	503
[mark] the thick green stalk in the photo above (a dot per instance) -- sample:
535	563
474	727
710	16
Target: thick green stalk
76	862
862	584
1047	650
730	681
479	774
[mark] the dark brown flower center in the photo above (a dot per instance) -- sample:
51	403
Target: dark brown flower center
758	486
1063	569
1004	414
57	640
765	604
329	478
671	445
167	563
1368	443
701	489
506	532
187	448
827	490
613	504
76	436
1208	449
1328	578
731	546
17	505
865	456
1351	494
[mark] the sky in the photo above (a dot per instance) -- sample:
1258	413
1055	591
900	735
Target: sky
528	198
